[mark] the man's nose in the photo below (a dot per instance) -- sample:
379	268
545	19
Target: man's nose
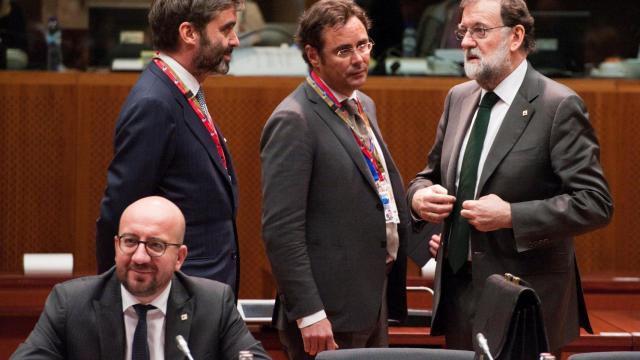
141	255
468	41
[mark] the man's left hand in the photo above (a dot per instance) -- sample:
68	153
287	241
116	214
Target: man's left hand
488	213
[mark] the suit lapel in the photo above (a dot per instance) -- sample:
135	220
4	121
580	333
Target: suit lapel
196	126
513	125
110	321
341	131
178	319
467	109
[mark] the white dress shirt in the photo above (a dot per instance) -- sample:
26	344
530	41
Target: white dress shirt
506	91
189	80
155	322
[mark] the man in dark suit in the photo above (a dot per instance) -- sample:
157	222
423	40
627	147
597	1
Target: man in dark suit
136	310
334	220
513	181
166	142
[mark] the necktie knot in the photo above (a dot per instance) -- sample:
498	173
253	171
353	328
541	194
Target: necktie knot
358	123
351	106
488	100
202	101
142	309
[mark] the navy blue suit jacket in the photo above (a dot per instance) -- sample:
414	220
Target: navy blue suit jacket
162	148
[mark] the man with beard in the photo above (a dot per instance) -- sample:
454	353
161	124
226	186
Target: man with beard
514	173
167	142
334	220
136	309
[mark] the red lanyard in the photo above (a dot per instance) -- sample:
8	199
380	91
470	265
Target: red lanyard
327	95
195	105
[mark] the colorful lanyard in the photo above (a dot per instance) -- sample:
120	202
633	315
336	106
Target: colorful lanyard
371	155
195	105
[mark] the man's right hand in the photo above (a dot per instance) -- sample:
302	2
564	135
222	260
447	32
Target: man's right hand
318	337
432	203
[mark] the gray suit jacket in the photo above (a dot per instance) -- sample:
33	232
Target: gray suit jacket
323	222
545	162
83	319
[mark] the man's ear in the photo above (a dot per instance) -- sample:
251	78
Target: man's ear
517	37
182	255
188	33
312	55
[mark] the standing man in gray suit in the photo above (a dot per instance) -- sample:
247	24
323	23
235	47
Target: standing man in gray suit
135	310
334	219
513	179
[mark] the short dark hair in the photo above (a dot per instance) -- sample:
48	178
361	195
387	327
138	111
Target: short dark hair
326	14
515	12
166	16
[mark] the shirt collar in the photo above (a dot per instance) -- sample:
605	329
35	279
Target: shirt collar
189	80
509	87
341	97
160	302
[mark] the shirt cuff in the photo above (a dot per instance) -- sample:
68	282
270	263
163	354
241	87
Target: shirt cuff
311	319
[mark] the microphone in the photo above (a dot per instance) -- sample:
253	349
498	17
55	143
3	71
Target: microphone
182	345
482	342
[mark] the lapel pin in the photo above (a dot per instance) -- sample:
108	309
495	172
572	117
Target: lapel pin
184	317
525	112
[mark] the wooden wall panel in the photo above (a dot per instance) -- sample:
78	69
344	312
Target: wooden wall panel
57	132
100	98
37	128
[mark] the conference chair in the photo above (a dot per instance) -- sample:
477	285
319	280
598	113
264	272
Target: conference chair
612	355
395	354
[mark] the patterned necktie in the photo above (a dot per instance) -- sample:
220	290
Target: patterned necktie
203	102
458	245
214	135
140	347
359	125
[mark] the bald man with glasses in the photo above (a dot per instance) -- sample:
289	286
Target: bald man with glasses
135	310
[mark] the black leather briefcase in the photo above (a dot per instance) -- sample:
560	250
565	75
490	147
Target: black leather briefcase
510	317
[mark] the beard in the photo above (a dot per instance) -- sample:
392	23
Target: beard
210	57
491	67
135	286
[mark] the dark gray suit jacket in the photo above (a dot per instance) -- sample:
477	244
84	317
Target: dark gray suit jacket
162	148
545	162
322	220
83	319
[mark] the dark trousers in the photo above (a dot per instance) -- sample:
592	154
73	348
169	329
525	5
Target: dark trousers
377	336
458	303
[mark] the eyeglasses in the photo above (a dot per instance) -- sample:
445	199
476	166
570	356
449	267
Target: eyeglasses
477	32
362	49
155	248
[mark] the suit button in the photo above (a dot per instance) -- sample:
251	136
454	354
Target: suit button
379	206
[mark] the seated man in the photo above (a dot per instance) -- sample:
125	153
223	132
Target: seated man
136	309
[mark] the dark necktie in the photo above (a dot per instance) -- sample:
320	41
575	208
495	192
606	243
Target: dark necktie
359	125
140	347
458	245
